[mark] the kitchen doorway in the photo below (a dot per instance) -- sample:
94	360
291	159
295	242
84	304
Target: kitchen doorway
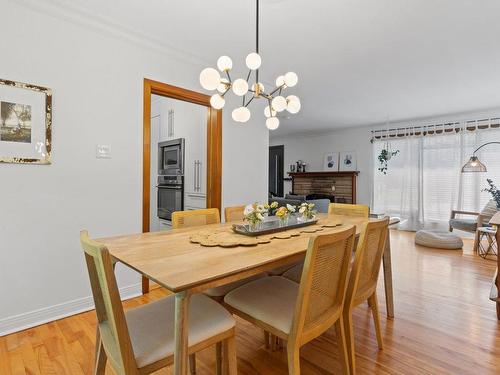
207	168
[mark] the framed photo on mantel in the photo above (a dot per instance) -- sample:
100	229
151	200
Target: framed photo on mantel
348	162
331	162
25	123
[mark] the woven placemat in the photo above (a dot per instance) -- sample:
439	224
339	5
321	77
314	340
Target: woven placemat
226	237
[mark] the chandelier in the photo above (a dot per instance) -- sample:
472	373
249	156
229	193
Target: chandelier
211	79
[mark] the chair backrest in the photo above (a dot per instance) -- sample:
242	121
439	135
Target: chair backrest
110	316
359	210
194	218
366	267
323	283
235	213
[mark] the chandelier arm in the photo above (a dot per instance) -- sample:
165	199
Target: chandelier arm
228	76
276	89
225	92
252	98
249	74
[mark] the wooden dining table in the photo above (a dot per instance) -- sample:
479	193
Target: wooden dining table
171	260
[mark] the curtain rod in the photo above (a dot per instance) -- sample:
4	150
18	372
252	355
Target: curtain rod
445	127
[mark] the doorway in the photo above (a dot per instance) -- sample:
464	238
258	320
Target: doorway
212	179
276	164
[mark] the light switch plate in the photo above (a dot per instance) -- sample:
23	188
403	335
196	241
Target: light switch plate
103	152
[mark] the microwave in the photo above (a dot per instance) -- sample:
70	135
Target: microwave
171	157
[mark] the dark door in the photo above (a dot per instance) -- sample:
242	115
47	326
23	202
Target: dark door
276	160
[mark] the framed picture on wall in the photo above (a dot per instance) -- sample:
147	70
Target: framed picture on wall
331	162
348	161
25	123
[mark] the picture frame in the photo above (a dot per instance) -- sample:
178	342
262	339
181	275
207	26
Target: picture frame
331	162
25	123
348	161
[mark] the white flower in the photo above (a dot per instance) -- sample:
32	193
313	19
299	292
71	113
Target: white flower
259	216
290	208
311	206
248	210
260	208
302	209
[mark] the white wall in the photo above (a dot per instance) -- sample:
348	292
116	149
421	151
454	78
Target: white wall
311	149
97	82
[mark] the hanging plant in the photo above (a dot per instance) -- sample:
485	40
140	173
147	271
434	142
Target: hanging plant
495	193
385	155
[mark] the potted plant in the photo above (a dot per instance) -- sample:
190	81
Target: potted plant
385	155
284	214
307	211
495	193
254	214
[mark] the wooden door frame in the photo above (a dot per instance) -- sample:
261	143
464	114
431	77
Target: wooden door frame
214	148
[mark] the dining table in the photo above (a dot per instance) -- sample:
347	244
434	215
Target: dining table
172	260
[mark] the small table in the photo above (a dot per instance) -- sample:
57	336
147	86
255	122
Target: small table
491	247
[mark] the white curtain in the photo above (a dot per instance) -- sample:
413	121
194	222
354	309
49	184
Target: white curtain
424	180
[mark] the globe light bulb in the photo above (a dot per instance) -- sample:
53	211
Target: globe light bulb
241	114
293	104
291	79
268	112
279	103
217	101
280	81
240	87
272	123
209	78
224	63
253	61
223	85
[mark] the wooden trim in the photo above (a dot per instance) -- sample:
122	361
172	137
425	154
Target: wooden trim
323	174
214	147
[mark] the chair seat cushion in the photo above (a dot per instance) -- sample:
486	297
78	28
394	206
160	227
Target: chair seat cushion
468	225
294	273
271	300
440	240
151	326
222	290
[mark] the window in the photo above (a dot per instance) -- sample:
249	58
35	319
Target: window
424	181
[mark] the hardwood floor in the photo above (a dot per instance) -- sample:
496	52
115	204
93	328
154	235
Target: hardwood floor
444	324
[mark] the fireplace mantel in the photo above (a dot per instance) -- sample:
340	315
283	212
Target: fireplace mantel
304	183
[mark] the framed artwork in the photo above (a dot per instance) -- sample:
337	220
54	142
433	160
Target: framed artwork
331	162
25	123
348	161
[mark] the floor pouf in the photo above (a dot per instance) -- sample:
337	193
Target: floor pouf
437	239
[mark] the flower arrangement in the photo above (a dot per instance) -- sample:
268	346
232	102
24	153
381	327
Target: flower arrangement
254	214
493	190
284	213
271	207
307	211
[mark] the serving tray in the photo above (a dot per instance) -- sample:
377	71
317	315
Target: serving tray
273	226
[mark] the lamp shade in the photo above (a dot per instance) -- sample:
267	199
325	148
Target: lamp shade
473	165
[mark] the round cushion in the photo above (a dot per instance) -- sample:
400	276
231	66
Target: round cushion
437	239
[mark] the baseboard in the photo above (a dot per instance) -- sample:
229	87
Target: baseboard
47	314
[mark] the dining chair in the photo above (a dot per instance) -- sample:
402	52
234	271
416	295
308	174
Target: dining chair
298	313
235	213
359	210
363	279
141	340
193	218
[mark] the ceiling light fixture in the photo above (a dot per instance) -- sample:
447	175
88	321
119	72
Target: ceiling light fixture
211	79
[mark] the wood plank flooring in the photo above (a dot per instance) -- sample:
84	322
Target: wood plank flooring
444	324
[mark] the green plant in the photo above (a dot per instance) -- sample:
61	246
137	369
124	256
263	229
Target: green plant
384	157
495	193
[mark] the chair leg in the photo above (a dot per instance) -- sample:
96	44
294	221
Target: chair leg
192	363
231	362
266	339
349	338
476	242
344	358
218	358
100	356
376	319
293	354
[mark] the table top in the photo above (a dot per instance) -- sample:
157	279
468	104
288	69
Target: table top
171	260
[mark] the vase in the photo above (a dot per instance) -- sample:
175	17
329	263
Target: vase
284	220
255	226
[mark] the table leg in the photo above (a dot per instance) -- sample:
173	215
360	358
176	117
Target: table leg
181	333
387	262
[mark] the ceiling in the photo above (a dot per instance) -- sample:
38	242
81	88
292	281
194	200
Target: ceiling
359	62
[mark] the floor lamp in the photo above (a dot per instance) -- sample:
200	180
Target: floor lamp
475	165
